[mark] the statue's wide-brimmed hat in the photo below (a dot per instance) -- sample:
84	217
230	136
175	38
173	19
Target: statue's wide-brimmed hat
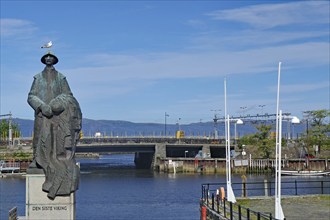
49	54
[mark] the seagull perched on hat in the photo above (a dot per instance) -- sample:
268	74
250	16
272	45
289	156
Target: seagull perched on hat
48	45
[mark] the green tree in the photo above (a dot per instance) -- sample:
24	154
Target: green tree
318	132
4	130
263	140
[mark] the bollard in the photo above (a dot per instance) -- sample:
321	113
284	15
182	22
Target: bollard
322	187
222	193
203	212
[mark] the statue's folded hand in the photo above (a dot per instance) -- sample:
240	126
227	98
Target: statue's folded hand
56	106
46	110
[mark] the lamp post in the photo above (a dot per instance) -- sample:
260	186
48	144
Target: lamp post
291	119
185	154
179	124
215	122
166	115
237	122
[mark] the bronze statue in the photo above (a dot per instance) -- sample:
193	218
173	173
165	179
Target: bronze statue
56	130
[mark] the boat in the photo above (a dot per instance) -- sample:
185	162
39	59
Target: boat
304	173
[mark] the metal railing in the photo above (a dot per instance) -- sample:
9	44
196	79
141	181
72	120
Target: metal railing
12	215
267	188
9	166
214	200
221	207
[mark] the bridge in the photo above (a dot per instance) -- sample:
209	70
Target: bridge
150	150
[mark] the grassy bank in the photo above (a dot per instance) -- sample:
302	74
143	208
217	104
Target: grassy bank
294	207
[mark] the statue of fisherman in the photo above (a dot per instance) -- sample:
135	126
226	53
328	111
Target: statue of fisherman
56	130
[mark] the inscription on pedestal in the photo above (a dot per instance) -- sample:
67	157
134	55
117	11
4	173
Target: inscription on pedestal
39	206
49	208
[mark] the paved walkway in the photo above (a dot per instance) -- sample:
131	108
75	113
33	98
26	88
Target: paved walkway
294	207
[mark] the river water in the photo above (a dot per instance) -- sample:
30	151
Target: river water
111	188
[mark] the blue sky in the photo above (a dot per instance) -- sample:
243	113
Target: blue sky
136	60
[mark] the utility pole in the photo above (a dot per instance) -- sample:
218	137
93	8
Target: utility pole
215	119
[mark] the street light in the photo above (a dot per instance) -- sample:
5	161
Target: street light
166	115
215	122
293	120
185	154
237	122
179	124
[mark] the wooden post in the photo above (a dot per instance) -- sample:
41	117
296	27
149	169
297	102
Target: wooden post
243	186
266	187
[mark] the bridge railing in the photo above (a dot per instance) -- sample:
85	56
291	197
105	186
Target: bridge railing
138	139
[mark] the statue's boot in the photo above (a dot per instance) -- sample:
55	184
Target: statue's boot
33	164
34	168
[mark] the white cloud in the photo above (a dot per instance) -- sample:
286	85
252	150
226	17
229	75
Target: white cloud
297	88
16	27
252	38
196	23
191	65
266	16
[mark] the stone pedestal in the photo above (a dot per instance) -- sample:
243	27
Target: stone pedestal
39	206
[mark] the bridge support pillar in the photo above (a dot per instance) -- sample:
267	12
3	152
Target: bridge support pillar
206	150
160	153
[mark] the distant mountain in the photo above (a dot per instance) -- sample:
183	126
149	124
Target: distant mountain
126	128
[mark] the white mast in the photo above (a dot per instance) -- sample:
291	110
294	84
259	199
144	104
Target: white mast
230	192
278	208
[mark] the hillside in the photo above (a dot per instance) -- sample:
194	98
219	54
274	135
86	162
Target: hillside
126	128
